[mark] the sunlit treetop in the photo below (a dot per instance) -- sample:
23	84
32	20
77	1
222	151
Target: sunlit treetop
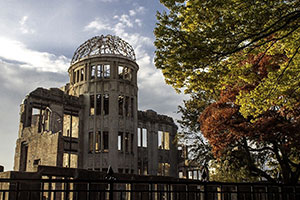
200	45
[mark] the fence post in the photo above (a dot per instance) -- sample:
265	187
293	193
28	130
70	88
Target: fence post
17	190
111	190
205	191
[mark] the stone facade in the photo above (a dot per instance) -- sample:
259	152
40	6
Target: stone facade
93	121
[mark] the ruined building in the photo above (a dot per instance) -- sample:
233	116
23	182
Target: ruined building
93	121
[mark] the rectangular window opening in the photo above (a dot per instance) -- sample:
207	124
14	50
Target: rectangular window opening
121	102
166	140
139	137
121	72
105	141
126	142
99	71
144	137
106	71
145	171
77	76
93	71
92	105
70	160
98	142
81	75
160	139
163	140
98	104
67	126
120	141
36	118
106	104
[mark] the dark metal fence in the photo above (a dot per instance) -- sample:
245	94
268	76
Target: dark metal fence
67	189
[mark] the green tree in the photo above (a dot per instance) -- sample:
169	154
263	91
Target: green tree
195	40
249	51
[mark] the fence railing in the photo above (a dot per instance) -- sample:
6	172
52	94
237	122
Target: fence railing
60	188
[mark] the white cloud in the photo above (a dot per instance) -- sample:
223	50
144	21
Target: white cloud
126	20
24	27
43	61
140	9
97	25
139	22
132	13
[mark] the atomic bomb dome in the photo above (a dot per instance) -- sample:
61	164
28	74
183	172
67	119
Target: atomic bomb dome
103	45
93	122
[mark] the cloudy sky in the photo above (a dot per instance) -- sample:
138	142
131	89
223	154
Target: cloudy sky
38	39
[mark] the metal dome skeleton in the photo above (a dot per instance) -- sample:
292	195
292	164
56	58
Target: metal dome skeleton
103	45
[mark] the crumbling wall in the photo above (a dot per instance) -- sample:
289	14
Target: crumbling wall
42	135
153	158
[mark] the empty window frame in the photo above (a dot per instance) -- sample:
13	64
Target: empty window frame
106	104
93	72
139	137
180	174
106	71
121	102
126	141
98	142
105	141
195	174
145	168
120	72
36	118
103	71
98	104
142	137
70	160
77	76
190	174
120	141
66	126
99	71
82	74
92	105
163	169
163	140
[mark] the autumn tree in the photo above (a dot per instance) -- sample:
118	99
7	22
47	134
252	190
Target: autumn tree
228	168
269	144
244	54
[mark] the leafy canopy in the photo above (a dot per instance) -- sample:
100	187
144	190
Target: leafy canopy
200	42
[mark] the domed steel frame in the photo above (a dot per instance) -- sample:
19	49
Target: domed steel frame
103	45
